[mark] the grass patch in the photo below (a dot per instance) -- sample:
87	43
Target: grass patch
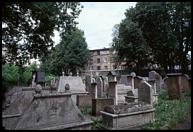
170	112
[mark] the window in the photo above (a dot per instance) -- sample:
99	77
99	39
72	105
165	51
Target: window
106	67
98	52
98	60
98	67
105	60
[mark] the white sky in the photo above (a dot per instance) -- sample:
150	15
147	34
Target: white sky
97	20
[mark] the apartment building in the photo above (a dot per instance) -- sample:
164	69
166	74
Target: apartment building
101	60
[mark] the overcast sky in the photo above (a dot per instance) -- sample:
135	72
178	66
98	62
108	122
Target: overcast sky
97	20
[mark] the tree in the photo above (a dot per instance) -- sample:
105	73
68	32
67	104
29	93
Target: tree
166	28
28	27
130	44
70	55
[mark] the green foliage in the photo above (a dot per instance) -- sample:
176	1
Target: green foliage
28	27
48	79
170	112
86	110
159	30
68	56
96	123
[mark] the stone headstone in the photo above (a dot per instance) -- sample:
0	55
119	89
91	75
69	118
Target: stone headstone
99	86
137	81
93	90
88	83
75	83
121	91
40	77
176	83
145	93
112	92
153	75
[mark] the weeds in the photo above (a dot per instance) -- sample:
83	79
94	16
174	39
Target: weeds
170	112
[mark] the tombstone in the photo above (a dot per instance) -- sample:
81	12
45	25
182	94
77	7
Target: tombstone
145	93
121	91
99	83
40	77
137	81
130	80
158	79
112	92
155	95
76	86
88	83
94	90
111	76
176	83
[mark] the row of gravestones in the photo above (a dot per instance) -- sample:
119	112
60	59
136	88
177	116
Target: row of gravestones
124	84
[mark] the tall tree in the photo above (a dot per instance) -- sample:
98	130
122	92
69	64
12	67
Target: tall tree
166	28
28	27
70	55
130	45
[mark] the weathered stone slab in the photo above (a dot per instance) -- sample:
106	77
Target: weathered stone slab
54	111
127	120
76	84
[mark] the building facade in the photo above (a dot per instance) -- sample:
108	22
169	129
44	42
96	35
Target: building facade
101	60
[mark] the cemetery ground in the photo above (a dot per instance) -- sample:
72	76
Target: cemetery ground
169	114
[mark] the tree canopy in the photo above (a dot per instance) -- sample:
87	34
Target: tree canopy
27	27
70	55
165	29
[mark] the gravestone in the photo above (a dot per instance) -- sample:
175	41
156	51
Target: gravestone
137	81
112	92
93	91
121	91
40	77
99	83
88	83
76	85
145	93
176	83
153	75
